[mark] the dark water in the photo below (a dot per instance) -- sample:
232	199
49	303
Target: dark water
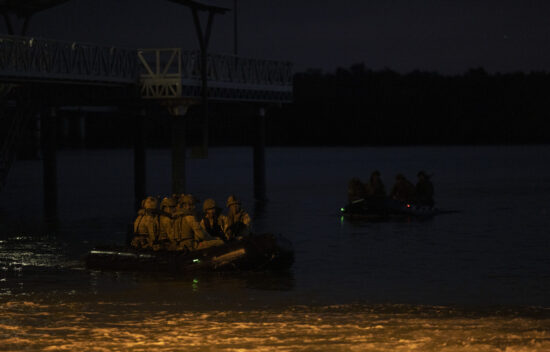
476	280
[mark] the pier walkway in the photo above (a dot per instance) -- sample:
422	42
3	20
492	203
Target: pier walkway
171	73
169	76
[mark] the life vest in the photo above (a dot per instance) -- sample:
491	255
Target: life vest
166	226
237	224
215	230
182	229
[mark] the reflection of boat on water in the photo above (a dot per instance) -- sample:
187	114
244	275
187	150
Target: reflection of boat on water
257	252
387	209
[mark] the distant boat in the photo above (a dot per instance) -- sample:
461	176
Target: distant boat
387	209
255	252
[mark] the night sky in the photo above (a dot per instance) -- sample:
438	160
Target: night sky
447	36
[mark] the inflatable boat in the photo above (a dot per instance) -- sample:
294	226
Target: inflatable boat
387	209
255	252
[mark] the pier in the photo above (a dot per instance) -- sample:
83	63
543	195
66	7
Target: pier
41	77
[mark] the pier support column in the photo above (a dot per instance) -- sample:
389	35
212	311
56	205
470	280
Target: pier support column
178	148
259	158
140	170
81	130
48	126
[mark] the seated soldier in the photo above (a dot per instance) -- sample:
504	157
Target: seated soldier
375	192
141	213
212	220
375	187
356	190
424	190
188	234
237	222
137	221
166	223
403	190
146	226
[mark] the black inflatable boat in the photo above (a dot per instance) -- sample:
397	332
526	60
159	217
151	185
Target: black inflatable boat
256	252
387	209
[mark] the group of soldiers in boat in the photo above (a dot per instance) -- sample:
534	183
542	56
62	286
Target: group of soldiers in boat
403	190
177	226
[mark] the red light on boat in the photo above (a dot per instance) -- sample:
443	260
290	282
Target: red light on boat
408	205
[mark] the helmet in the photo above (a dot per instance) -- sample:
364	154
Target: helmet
232	200
150	203
354	181
167	202
209	204
422	174
188	199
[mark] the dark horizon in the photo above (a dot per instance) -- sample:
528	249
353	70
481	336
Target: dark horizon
440	36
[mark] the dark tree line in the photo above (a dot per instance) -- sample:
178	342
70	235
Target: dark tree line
358	106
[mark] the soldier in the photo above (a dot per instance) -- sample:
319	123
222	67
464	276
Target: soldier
237	222
179	197
141	213
403	189
188	234
166	222
424	190
212	220
356	190
375	187
146	226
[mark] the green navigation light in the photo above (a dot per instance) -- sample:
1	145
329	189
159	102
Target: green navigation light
342	209
197	260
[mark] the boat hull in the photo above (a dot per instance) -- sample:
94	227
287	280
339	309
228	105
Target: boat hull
386	210
258	252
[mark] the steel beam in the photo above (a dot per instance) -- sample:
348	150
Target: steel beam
259	158
48	125
179	124
140	169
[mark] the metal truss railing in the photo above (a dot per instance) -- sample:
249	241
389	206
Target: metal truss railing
24	58
161	73
175	73
239	70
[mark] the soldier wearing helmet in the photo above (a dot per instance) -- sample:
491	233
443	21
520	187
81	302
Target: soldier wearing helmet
141	213
188	234
356	190
403	190
375	187
212	220
146	226
166	222
237	222
424	190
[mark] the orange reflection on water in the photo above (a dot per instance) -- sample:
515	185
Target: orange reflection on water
104	327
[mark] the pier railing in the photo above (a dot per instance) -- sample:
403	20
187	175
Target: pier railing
175	73
23	58
161	73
